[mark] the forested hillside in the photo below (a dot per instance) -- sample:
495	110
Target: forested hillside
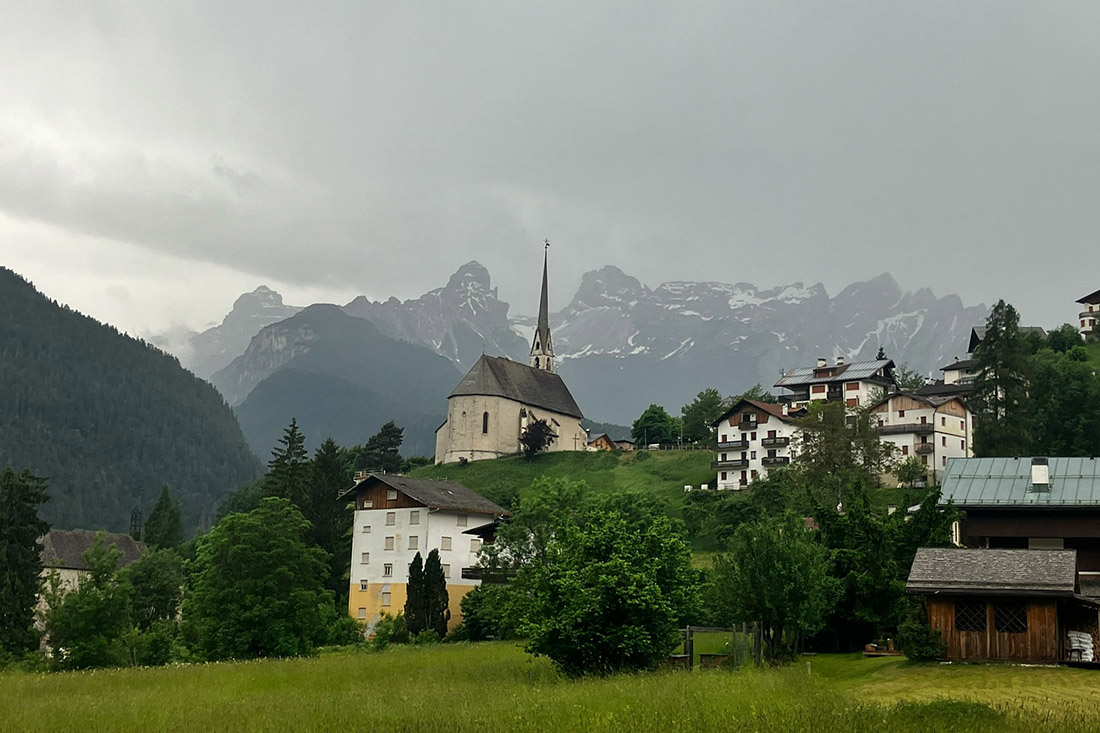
108	419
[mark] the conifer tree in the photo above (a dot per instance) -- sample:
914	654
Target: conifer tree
414	597
436	601
1000	399
330	518
164	527
382	451
288	470
21	495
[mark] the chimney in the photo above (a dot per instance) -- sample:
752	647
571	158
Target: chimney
820	362
840	361
1040	474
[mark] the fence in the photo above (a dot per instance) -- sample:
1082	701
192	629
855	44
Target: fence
707	647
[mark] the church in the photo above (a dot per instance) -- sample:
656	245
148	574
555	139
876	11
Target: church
489	409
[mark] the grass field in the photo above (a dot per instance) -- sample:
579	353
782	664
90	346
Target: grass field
497	687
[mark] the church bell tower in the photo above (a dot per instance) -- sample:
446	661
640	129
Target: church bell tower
542	347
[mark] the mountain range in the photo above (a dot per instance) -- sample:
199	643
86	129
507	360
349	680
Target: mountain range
620	344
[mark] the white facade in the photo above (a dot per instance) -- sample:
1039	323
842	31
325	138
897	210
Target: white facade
932	429
752	437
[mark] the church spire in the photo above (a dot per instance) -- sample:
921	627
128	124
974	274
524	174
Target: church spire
542	347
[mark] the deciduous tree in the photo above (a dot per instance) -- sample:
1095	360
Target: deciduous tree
535	438
157	584
655	425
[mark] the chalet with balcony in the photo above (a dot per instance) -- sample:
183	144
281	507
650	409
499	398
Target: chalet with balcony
1089	315
752	438
1010	605
935	429
852	383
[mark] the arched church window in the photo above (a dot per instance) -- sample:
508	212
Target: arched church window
484	423
462	424
536	362
537	347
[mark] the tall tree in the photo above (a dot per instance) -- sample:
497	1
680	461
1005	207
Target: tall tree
288	471
257	590
157	583
382	452
89	620
436	601
701	414
999	399
908	379
775	575
331	520
415	613
655	425
1064	397
838	446
21	496
164	527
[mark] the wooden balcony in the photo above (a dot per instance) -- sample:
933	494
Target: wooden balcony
772	461
922	448
729	465
733	445
778	442
915	428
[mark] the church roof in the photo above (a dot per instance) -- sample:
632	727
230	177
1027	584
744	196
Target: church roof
65	548
495	376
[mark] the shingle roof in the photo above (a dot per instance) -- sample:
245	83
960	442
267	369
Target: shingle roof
433	494
930	400
65	548
1006	482
1017	572
845	372
496	376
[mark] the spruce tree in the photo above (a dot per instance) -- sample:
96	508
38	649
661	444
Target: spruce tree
415	618
330	518
1000	399
21	495
288	470
436	601
382	451
164	527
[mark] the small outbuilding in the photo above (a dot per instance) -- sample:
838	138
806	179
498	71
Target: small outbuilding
1006	605
600	442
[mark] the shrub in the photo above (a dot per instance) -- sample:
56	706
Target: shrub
427	636
390	630
918	640
485	614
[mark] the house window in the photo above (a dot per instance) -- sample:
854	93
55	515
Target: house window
366	529
962	445
744	476
752	436
387	570
943	441
475	545
444	543
943	421
362	585
754	473
744	437
460	520
819	389
365	558
753	455
771	434
724	457
880	423
391	519
944	460
391	495
723	475
389	543
367	504
771	453
901	413
905	450
962	425
1010	617
923	420
852	386
414	542
484	423
924	460
446	571
414	516
725	438
362	613
385	598
969	616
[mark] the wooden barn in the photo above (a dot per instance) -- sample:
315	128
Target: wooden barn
1006	605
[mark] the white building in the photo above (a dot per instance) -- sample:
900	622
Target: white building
961	372
853	383
1089	315
932	428
752	437
396	517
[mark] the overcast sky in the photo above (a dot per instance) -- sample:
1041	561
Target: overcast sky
158	159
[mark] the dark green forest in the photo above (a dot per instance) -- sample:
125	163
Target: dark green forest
108	419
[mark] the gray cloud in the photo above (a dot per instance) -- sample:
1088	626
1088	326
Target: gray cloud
375	147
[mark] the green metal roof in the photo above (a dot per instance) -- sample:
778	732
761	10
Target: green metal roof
1006	482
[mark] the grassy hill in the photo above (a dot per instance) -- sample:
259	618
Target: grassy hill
496	686
664	473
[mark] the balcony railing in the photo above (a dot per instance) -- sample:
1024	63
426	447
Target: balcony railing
770	461
729	465
925	447
777	442
733	445
917	428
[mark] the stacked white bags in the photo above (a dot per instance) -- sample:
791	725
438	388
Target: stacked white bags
1079	645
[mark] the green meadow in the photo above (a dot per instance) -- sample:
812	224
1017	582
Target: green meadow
497	687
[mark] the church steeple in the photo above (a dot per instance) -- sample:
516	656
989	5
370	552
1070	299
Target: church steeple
542	347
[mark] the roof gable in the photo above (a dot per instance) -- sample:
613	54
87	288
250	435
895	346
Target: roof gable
1018	572
445	495
771	409
65	548
496	376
